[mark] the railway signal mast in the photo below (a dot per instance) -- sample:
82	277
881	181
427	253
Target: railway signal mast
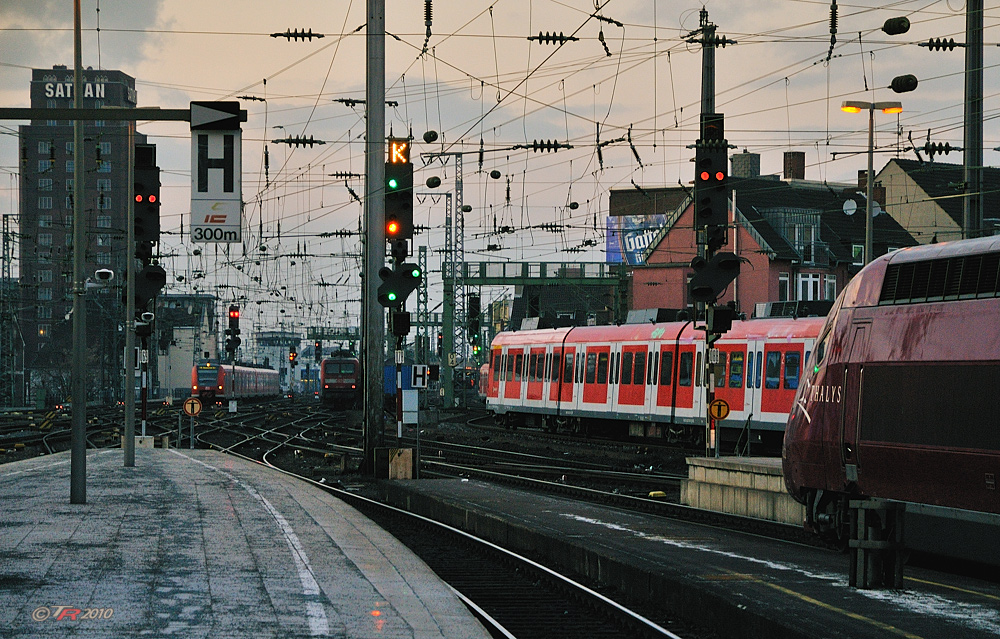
714	269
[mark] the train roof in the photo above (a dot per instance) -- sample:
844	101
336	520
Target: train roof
769	328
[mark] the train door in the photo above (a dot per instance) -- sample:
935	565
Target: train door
595	375
564	385
496	357
665	385
632	380
730	387
754	370
782	372
853	379
535	374
512	384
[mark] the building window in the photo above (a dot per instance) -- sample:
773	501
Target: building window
70	166
104	258
45	276
69	185
69	148
43	330
69	201
45	239
830	284
808	287
104	148
104	185
104	202
44	257
45	184
783	291
44	221
103	221
45	202
69	239
104	239
858	251
44	293
44	147
45	166
44	312
804	237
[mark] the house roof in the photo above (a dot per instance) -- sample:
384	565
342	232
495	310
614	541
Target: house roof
939	180
838	206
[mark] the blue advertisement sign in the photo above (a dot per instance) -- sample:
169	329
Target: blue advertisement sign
630	235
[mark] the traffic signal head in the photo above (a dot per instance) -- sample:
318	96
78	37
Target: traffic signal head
146	192
712	276
398	192
711	193
234	319
292	354
398	284
318	350
399	323
148	282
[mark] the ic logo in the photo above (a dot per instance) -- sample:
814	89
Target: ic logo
215	219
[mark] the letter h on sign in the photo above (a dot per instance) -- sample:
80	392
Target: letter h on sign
226	163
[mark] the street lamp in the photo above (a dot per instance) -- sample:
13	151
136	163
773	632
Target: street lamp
856	106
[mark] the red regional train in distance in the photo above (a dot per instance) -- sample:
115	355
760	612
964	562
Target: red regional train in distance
212	382
900	399
340	380
646	380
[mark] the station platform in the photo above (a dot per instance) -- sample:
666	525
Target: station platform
196	543
739	584
747	486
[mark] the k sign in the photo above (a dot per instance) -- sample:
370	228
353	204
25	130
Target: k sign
216	172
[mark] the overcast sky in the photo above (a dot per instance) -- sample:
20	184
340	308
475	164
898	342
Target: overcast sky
780	87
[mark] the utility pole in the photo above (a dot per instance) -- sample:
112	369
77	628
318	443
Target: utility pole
78	436
972	207
373	325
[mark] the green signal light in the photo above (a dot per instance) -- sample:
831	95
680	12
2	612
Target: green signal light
393	183
392	297
415	272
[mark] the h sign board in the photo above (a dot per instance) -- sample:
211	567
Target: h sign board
216	172
418	378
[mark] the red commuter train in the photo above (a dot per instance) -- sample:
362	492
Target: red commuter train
340	380
899	400
215	383
646	380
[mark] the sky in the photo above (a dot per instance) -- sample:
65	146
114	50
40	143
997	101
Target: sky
628	77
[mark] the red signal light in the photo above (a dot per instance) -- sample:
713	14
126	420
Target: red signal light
138	198
392	228
152	198
720	176
704	175
234	314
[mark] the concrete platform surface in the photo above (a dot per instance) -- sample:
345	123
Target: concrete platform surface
196	543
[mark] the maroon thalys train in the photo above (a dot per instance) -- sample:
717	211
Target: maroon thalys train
211	382
899	401
340	380
646	380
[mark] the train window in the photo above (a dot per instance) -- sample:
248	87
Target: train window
772	372
532	360
651	375
554	374
760	366
750	368
820	352
720	380
640	368
518	362
568	368
602	368
697	371
793	366
591	376
736	370
666	368
684	369
496	360
627	367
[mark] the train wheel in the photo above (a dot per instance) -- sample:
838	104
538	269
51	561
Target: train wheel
500	419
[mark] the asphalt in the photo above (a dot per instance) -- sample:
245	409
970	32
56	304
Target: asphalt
196	543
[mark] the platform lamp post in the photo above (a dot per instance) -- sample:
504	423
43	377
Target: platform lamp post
856	106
